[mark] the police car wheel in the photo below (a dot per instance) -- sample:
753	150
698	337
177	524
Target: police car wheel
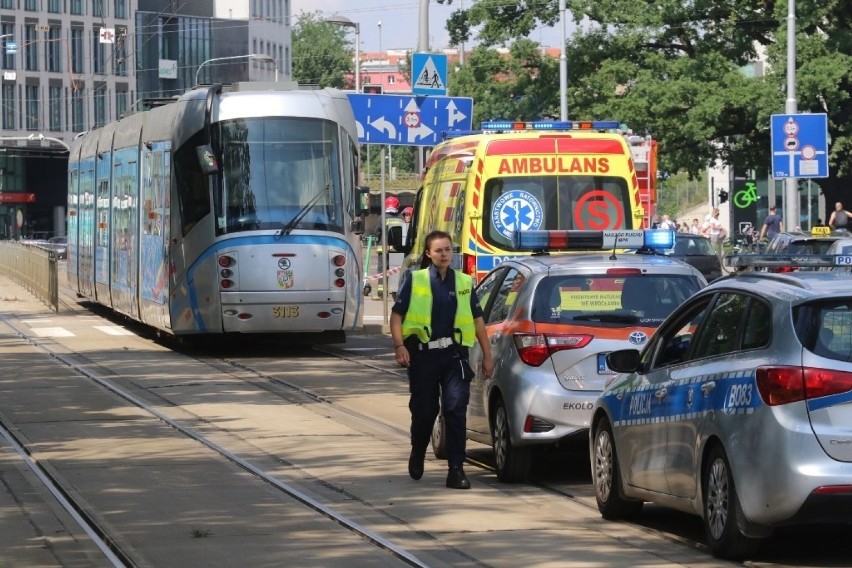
439	438
722	515
607	477
513	463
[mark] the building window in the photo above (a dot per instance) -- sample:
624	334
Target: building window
120	103
31	5
55	108
77	7
98	53
31	48
98	8
7	60
32	107
100	106
9	106
119	54
120	8
77	50
54	50
77	123
7	4
54	6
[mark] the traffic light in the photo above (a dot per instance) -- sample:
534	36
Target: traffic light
723	196
372	89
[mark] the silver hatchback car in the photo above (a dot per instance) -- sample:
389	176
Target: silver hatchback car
738	410
551	321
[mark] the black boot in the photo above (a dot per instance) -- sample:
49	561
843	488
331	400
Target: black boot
456	479
415	463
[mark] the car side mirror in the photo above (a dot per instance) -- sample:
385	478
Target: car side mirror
624	360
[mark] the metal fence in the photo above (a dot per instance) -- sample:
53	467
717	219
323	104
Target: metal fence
34	268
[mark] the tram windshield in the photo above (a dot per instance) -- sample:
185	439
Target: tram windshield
272	168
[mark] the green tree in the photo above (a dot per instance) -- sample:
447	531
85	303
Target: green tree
681	71
322	54
515	86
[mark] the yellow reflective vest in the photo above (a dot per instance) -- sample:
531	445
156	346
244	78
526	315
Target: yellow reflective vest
418	318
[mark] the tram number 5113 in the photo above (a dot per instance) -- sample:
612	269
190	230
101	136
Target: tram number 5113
285	311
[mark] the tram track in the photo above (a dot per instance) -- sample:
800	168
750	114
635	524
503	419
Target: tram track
100	535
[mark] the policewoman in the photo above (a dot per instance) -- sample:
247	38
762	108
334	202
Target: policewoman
434	322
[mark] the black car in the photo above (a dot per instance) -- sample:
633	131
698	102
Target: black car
696	251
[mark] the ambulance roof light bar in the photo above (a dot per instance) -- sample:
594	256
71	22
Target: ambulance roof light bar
510	125
543	241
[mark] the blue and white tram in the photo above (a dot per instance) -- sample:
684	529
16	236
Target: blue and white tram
226	210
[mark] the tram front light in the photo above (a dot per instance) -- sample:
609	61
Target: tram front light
339	260
340	282
226	273
226	261
339	272
226	283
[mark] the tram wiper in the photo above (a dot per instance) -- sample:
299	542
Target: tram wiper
288	227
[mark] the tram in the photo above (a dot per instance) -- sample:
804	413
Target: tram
227	210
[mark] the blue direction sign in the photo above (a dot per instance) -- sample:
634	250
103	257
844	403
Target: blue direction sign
799	145
429	74
409	120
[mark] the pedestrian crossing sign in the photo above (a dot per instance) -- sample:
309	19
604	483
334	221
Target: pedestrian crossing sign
430	76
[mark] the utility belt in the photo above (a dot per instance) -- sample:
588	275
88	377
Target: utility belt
440	343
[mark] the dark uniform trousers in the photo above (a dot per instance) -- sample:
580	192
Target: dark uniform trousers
437	373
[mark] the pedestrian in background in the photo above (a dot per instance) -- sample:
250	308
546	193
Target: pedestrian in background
839	219
772	225
434	322
695	228
716	232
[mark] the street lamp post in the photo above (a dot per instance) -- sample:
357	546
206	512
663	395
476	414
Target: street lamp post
563	67
345	22
257	56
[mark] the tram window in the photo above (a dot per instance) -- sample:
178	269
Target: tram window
193	196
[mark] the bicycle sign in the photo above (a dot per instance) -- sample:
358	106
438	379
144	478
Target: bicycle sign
745	197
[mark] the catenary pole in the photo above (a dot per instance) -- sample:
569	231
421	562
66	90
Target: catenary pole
791	188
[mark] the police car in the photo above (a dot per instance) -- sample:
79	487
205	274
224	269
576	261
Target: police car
551	320
739	409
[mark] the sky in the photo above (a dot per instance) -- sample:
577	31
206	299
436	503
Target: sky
399	21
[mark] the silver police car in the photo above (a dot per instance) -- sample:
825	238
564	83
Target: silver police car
551	320
739	410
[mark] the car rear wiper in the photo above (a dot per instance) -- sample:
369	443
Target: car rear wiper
288	227
608	318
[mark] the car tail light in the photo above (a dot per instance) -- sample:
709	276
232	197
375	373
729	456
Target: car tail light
623	271
783	385
534	349
469	264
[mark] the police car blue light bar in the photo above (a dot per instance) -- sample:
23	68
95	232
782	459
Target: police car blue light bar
787	260
592	240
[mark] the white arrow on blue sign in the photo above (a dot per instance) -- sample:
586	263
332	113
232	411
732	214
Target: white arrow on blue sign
799	145
409	120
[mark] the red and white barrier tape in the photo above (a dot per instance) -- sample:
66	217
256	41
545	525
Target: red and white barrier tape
381	274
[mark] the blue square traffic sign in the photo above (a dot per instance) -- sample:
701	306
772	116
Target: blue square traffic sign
799	145
429	74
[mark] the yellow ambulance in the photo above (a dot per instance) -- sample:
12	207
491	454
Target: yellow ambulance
481	187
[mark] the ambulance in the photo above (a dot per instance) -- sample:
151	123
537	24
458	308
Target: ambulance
481	187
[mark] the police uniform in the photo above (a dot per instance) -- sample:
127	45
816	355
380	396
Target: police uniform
436	365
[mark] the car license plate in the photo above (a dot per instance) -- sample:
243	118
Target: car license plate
602	368
285	311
